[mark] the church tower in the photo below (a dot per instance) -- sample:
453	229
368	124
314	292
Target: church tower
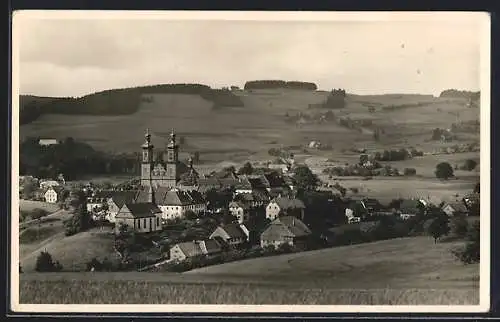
147	161
171	162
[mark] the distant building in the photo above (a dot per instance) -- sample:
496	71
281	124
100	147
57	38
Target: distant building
44	184
411	207
455	208
48	142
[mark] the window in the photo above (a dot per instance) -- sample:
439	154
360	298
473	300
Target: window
158	221
138	224
144	222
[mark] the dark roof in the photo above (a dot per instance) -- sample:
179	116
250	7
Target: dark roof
288	203
176	198
190	248
233	230
211	246
373	204
141	210
457	206
102	194
57	189
122	197
285	226
274	180
196	197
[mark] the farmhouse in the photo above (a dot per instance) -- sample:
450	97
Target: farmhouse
285	206
285	230
362	208
411	208
139	217
54	194
455	208
195	248
232	234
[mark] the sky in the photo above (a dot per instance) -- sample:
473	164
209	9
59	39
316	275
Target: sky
75	56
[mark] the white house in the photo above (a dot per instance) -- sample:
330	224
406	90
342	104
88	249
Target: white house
285	206
174	203
53	194
240	210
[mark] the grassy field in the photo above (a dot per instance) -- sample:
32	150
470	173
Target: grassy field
241	133
400	271
29	205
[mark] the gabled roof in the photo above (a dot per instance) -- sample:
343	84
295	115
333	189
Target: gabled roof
57	189
232	230
190	248
196	197
140	210
122	197
456	206
210	246
238	204
288	203
288	226
274	180
175	198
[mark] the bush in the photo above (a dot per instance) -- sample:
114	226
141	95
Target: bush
471	252
459	226
469	165
45	263
438	227
410	171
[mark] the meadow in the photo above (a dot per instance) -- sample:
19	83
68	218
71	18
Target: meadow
399	271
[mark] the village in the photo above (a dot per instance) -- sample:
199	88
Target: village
282	207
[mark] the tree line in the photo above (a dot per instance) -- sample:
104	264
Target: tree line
454	93
118	101
334	100
275	84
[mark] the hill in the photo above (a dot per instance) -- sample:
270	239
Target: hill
236	134
117	101
400	271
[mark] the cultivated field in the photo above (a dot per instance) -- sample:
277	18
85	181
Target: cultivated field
247	132
30	205
400	271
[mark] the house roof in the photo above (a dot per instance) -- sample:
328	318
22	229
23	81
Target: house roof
410	204
274	180
122	197
57	189
211	246
140	210
288	203
371	203
285	226
190	248
102	194
457	206
238	204
233	230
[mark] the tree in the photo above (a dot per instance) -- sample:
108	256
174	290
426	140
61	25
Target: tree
45	263
471	252
37	214
305	179
246	169
438	227
459	226
80	221
469	165
444	171
476	188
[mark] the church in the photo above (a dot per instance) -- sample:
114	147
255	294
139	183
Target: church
164	169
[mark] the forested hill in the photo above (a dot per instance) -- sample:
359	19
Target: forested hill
280	84
118	101
453	93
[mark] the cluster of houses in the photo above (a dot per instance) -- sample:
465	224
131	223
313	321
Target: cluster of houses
51	191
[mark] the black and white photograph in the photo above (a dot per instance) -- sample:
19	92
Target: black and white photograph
250	161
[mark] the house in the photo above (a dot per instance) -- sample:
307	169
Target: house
116	202
275	184
193	249
48	142
471	199
240	210
256	199
98	199
232	234
285	230
174	203
54	194
285	206
411	207
362	207
248	184
139	217
455	208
